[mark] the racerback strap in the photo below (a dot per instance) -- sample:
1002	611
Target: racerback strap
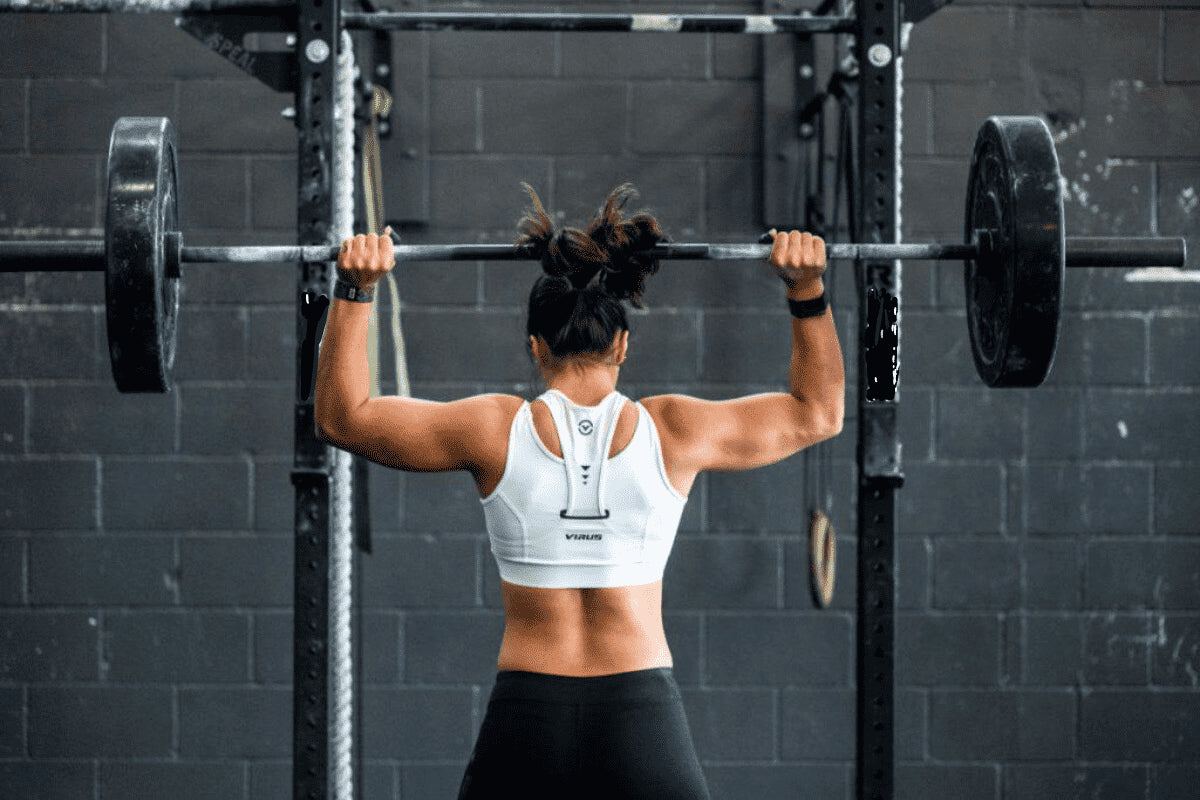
585	434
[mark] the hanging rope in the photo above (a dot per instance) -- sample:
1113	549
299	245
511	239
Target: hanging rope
341	712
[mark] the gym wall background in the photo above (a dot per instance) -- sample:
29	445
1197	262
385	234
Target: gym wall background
1048	641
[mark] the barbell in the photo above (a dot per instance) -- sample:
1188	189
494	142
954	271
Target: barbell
1015	252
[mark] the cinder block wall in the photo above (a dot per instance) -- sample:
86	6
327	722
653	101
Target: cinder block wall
1049	572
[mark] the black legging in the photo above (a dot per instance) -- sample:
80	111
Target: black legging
612	736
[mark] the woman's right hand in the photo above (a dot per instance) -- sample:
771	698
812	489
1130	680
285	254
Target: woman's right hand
799	259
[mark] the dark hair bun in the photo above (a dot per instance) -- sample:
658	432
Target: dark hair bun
619	250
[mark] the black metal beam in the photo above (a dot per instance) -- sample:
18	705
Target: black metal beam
317	45
879	465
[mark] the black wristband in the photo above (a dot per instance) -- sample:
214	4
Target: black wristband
344	290
803	309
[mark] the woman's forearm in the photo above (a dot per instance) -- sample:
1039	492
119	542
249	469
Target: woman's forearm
343	374
817	373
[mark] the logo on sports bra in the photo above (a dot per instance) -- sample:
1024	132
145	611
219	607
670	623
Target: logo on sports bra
585	537
585	427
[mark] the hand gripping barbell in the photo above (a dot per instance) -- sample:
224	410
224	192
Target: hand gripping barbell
1015	254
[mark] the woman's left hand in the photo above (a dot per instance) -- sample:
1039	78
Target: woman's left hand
366	258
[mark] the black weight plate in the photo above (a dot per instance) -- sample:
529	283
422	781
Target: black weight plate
1014	288
141	297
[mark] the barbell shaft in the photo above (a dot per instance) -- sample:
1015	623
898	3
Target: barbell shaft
73	255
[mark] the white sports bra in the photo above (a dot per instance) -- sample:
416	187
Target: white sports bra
583	520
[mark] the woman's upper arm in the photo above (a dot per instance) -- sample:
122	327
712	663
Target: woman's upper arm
742	433
429	436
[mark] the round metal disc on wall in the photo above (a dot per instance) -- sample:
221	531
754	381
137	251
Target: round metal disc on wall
141	295
1014	287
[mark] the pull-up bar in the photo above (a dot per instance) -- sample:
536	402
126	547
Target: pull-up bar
472	20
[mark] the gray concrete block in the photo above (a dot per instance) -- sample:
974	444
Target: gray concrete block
86	418
26	482
50	191
1105	196
453	648
817	725
482	193
100	102
441	503
1054	424
980	423
934	499
272	647
65	44
671	189
912	725
1122	107
465	345
1170	780
976	574
1052	574
52	344
732	724
1176	504
13	423
746	347
273	193
215	192
1106	43
272	339
989	725
102	570
235	723
684	637
732	202
1180	60
1173	361
173	495
723	572
1128	574
438	725
213	344
425	572
642	54
954	649
1075	781
960	109
1054	498
274	495
801	649
456	113
177	647
1168	725
270	780
236	571
1117	649
100	722
913	571
14	567
1117	499
232	284
758	500
797	572
979	42
48	647
713	118
12	724
499	54
381	655
418	780
937	350
255	417
179	780
48	779
779	780
935	191
433	284
13	124
139	45
544	117
253	122
664	346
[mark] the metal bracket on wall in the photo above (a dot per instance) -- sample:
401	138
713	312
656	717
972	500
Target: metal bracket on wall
225	34
789	84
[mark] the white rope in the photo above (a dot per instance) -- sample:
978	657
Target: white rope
341	735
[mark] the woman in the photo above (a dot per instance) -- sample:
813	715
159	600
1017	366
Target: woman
582	492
